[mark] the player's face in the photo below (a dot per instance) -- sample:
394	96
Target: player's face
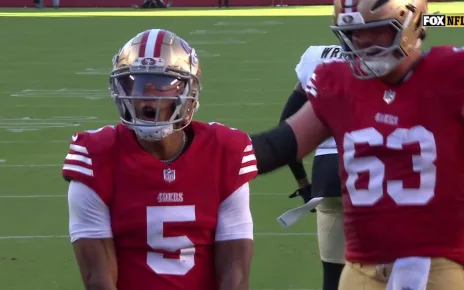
154	97
382	36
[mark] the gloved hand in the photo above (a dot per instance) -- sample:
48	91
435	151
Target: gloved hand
305	193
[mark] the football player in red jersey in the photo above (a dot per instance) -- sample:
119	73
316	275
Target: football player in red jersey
397	116
160	201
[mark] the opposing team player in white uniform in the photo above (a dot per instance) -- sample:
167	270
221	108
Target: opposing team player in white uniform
325	177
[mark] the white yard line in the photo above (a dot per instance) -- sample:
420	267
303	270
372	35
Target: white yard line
270	234
31	165
33	142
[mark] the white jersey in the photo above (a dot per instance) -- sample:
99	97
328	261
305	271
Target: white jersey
311	58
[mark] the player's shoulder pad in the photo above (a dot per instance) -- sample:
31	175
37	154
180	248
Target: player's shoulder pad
240	162
324	76
230	138
94	142
445	58
313	56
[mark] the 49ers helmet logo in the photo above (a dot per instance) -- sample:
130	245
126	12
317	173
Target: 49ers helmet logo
347	18
148	61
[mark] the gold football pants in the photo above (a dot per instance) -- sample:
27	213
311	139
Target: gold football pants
444	275
330	235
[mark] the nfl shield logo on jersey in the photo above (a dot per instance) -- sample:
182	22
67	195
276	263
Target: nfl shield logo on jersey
169	175
389	96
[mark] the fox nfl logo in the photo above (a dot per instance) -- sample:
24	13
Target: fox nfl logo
442	20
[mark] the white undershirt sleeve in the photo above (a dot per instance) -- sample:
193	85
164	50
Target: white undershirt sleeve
89	217
234	216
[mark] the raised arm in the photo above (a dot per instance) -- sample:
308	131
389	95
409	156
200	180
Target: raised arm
292	140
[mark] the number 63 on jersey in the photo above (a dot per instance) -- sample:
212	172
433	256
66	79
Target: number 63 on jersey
422	164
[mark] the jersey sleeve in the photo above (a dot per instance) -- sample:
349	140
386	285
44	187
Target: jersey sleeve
243	168
444	79
89	217
88	162
234	216
238	165
317	94
459	82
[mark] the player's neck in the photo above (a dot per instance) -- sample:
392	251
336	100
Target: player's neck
167	148
397	75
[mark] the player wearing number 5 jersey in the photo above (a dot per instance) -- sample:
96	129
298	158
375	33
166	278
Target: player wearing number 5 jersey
160	202
397	116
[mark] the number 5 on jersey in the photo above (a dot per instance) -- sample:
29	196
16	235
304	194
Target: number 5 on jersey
422	163
156	217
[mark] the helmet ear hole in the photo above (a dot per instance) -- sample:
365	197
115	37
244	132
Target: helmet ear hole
422	34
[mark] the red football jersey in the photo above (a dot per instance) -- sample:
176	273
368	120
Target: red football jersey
163	217
401	154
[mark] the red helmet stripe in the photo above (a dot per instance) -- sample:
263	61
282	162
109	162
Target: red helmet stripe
143	43
159	42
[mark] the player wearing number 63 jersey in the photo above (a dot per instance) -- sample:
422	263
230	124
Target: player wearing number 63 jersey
397	116
160	201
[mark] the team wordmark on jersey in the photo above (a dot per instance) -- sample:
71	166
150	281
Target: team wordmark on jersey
386	119
170	197
442	20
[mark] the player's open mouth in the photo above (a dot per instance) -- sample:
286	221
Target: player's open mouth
148	113
373	53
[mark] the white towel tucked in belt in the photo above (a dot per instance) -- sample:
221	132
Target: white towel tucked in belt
410	273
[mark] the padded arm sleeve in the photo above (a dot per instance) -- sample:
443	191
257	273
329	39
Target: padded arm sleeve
275	148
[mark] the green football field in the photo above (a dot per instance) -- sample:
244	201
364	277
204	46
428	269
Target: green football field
53	83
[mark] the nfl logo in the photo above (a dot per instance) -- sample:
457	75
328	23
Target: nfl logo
169	175
389	96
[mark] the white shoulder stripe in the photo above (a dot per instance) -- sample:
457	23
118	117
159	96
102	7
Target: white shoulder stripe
80	158
78	148
248	158
247	169
248	148
78	169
